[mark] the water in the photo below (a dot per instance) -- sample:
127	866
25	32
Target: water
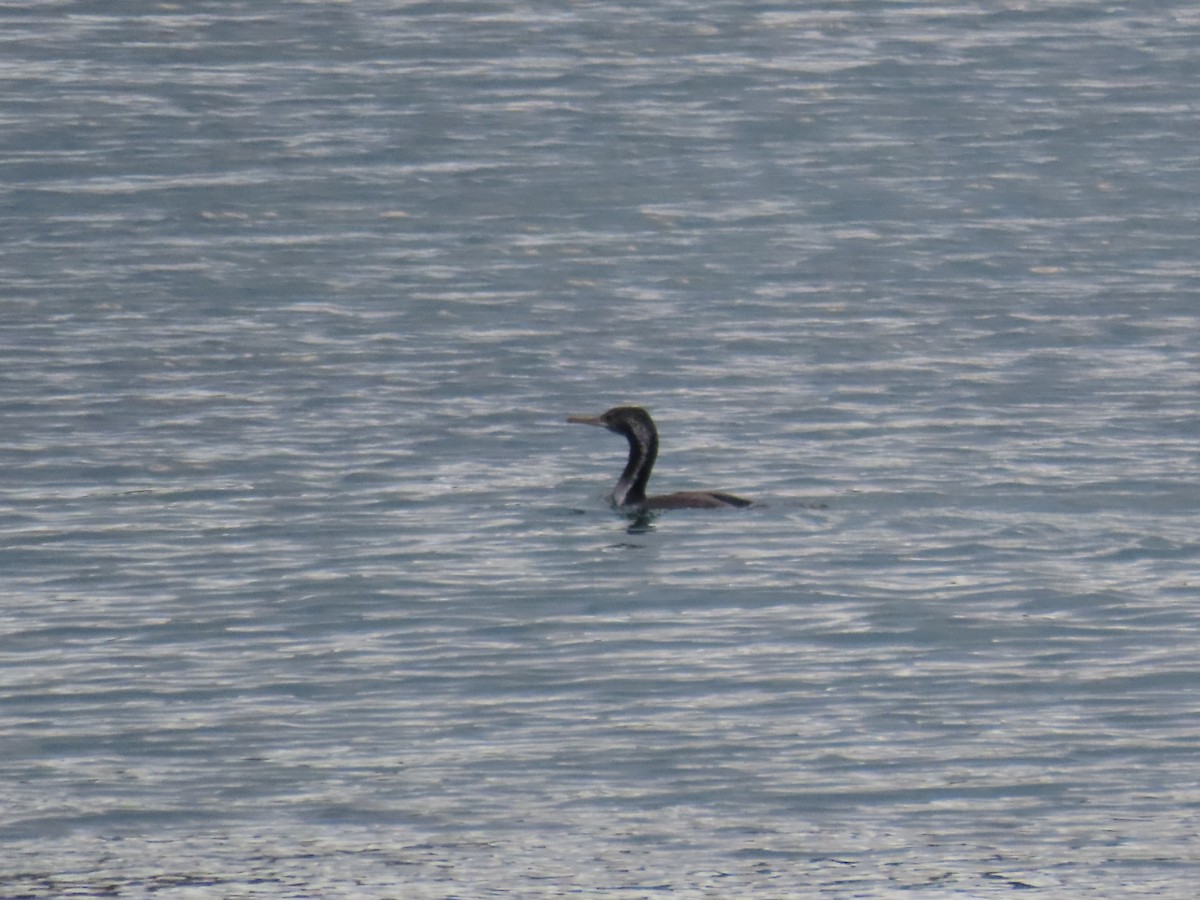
309	589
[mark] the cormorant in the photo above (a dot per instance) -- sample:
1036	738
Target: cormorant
630	493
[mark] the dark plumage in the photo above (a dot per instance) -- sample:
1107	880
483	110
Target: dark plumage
630	493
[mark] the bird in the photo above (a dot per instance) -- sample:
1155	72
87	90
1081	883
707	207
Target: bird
630	493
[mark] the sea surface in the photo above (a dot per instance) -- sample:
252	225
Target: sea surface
308	589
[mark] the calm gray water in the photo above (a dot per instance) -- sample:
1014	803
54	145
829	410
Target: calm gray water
307	588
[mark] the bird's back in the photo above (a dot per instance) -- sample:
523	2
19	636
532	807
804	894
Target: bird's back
696	500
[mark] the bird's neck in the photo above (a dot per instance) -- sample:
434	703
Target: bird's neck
631	486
